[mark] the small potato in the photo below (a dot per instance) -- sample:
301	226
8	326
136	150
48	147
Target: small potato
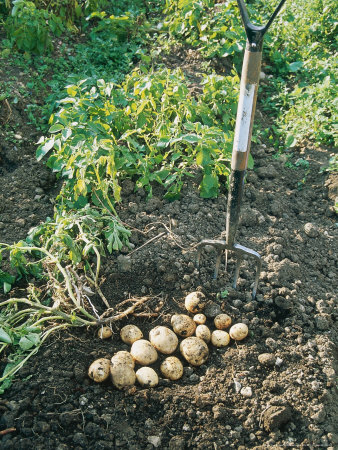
203	332
183	325
220	338
143	352
200	319
123	358
222	321
130	333
99	370
104	333
122	376
194	350
163	339
147	377
239	331
172	368
195	302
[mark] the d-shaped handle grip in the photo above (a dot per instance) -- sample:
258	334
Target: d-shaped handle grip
253	32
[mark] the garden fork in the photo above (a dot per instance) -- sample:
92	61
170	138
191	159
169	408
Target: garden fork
241	146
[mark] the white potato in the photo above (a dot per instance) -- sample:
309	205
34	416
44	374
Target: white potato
104	333
99	370
203	332
200	319
147	377
220	338
130	333
239	331
163	339
172	368
222	321
123	358
122	376
183	325
143	352
194	350
195	302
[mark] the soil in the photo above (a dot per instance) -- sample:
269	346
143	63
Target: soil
275	389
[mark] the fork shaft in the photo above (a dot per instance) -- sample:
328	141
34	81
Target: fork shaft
242	140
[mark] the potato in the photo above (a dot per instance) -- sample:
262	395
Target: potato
99	370
122	376
123	358
203	332
147	377
130	333
172	368
104	333
220	338
222	321
195	302
183	325
163	339
194	350
143	352
239	331
200	319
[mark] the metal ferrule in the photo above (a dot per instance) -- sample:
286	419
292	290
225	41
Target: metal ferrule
234	201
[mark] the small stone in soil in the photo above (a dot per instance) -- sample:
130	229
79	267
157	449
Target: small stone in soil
154	440
311	230
267	359
246	391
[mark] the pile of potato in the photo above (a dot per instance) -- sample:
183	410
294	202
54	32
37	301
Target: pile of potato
194	346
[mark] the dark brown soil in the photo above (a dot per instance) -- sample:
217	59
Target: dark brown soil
234	400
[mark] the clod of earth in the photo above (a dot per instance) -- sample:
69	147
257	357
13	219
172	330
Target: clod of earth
275	417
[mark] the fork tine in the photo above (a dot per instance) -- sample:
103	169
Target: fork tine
218	262
238	264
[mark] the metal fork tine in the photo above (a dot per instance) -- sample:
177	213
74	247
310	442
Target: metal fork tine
238	264
218	262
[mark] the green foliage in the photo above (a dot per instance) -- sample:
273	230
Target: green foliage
301	45
215	30
150	128
29	28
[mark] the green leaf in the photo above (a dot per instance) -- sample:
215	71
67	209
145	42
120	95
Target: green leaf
290	141
5	337
295	66
209	185
44	149
29	341
7	287
56	128
250	162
